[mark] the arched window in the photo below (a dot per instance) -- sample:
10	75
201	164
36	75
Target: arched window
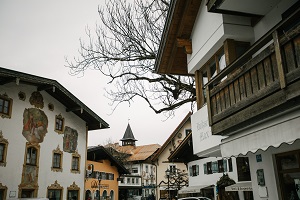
112	195
88	195
104	194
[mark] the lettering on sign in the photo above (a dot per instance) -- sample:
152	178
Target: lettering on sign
241	188
203	129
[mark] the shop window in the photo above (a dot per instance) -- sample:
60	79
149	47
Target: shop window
5	106
59	124
31	157
3	150
243	169
288	166
75	168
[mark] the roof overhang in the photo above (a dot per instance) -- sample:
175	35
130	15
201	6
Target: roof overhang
100	153
175	43
58	92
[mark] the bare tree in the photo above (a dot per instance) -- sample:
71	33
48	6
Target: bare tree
124	47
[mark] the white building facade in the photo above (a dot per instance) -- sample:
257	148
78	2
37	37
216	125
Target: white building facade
245	58
43	142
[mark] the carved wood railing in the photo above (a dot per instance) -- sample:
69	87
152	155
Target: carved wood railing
256	75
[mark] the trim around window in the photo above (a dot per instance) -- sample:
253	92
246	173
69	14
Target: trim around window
3	150
59	124
57	164
55	187
75	163
5	106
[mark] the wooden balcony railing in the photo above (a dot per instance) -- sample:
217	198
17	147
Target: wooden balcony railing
258	81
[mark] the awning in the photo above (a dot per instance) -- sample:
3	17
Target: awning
241	186
284	129
192	189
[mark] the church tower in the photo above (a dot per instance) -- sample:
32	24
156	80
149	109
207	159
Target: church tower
128	138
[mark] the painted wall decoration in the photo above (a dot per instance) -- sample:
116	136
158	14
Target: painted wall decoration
37	100
30	176
70	140
35	124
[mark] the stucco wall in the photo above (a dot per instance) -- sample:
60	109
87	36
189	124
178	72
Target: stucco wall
10	175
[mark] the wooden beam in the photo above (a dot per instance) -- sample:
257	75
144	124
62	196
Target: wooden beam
186	43
279	60
199	89
73	109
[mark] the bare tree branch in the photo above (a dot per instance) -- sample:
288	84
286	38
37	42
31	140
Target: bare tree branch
124	47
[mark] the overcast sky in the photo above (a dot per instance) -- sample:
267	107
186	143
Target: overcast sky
35	38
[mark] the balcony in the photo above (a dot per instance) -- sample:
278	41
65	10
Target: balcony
263	82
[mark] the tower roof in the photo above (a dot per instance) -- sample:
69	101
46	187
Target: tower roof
128	135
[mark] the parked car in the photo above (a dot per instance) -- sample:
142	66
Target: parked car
194	198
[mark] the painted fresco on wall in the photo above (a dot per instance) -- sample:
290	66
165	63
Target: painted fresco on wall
70	139
35	124
37	100
30	176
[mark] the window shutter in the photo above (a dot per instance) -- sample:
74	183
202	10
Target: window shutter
191	170
205	168
225	165
197	169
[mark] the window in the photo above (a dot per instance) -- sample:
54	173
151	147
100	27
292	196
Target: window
73	195
132	180
209	168
75	163
3	190
5	106
288	169
230	165
3	150
54	194
147	169
110	176
224	56
187	131
243	169
31	156
137	180
135	170
75	168
172	169
73	192
128	180
59	123
57	160
194	170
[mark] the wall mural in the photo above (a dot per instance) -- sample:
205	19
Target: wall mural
37	100
35	124
70	140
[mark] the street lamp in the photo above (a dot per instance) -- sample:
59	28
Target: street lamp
168	177
99	181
